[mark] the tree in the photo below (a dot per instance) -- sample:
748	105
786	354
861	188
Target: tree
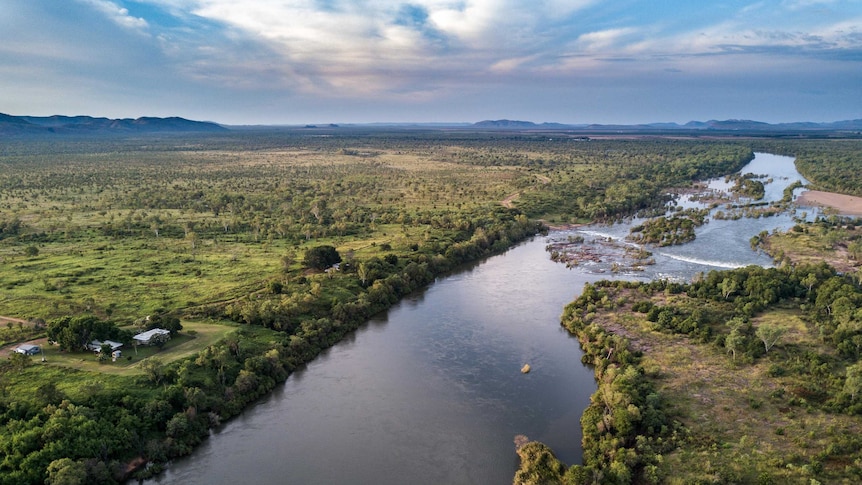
734	341
154	369
275	287
855	249
74	333
165	321
48	393
729	286
105	352
159	340
66	471
769	334
321	257
853	381
809	281
363	272
19	361
31	251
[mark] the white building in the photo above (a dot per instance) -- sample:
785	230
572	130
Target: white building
28	349
96	345
146	338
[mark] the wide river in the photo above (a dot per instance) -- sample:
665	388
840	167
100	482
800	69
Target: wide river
432	392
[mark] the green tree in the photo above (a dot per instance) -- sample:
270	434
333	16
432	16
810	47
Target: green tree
809	281
48	393
105	352
66	471
769	334
321	257
729	286
853	381
154	369
363	271
19	361
734	341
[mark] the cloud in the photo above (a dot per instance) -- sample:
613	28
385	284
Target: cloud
802	4
364	54
605	39
117	14
375	46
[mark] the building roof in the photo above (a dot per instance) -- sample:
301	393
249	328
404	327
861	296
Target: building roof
146	336
26	348
97	344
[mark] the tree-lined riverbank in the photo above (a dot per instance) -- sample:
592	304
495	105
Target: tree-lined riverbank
216	230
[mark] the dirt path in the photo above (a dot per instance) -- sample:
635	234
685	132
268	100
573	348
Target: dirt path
5	351
5	320
508	202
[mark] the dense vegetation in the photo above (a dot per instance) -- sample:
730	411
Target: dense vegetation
269	247
236	236
601	182
742	376
748	186
667	231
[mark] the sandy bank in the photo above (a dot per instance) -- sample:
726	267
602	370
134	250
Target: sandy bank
844	204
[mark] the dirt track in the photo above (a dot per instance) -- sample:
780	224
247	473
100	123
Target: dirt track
3	320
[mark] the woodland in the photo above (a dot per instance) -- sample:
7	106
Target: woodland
261	248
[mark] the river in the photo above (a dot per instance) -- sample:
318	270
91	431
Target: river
432	391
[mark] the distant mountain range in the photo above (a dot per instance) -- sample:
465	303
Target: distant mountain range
713	125
25	125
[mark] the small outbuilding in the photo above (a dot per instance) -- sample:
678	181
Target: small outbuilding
28	349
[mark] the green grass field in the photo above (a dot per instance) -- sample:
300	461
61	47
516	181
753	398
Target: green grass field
194	337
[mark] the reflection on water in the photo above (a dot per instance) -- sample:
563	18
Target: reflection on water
432	392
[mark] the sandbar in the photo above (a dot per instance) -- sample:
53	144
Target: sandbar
844	204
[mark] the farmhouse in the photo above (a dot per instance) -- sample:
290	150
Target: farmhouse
152	336
28	349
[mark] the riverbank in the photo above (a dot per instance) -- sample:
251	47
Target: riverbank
844	204
731	394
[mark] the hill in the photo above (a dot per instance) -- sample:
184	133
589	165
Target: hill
25	125
691	126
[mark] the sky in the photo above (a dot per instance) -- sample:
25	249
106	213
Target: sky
360	61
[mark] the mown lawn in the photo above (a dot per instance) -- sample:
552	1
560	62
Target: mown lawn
194	337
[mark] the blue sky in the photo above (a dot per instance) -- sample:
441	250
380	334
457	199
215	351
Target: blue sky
340	61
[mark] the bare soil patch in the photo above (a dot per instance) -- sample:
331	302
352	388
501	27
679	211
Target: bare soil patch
844	204
5	320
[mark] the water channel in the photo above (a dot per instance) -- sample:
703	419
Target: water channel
432	392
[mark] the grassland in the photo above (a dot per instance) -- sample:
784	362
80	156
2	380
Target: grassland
745	420
214	229
832	241
194	337
124	235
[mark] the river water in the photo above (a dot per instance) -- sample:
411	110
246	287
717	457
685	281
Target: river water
432	391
